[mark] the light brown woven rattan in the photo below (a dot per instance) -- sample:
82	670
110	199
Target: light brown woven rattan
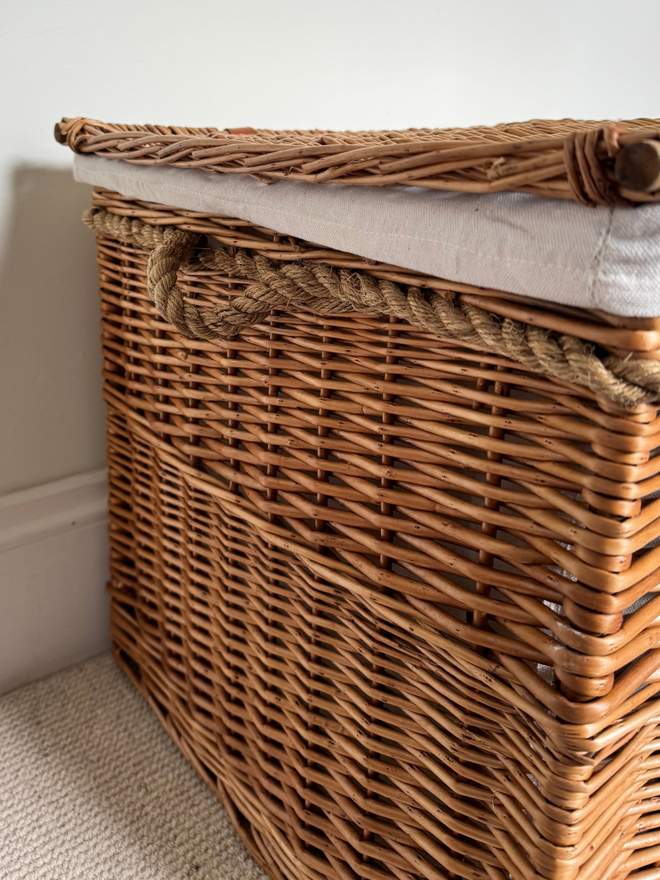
393	595
591	162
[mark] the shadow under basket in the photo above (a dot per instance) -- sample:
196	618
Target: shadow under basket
392	594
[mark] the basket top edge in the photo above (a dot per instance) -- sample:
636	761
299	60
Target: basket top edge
593	162
532	129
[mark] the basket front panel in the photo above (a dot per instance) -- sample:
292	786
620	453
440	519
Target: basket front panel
370	580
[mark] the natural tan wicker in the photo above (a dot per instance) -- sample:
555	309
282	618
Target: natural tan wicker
389	584
591	162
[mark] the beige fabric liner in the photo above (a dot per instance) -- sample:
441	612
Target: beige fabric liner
551	249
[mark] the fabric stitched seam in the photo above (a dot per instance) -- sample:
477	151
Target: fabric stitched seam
598	260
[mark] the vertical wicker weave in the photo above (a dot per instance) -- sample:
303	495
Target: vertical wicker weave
393	596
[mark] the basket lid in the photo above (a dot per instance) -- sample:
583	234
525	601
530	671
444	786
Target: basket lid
595	163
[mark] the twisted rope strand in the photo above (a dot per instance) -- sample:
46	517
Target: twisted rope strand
328	291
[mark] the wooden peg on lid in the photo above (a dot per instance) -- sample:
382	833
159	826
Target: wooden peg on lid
637	166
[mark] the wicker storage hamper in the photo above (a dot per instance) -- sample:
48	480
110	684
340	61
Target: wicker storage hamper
384	550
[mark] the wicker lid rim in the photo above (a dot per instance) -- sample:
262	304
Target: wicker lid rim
595	163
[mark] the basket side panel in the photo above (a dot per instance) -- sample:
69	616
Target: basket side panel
390	595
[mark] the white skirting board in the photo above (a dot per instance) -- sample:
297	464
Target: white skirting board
54	610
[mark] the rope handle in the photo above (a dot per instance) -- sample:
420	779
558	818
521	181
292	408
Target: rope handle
319	288
311	287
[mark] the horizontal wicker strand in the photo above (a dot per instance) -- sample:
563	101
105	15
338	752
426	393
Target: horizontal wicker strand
323	290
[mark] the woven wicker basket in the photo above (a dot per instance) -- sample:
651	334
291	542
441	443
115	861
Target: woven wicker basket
390	591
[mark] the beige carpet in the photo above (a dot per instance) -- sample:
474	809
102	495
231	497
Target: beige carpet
91	788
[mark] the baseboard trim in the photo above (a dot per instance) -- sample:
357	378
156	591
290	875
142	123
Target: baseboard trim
53	570
34	514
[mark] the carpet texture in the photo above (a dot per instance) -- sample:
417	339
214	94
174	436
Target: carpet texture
91	788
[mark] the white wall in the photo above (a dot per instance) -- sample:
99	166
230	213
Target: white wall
265	63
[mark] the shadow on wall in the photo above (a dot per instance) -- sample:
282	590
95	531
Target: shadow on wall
52	421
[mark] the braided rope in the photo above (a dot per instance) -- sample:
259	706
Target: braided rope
327	291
